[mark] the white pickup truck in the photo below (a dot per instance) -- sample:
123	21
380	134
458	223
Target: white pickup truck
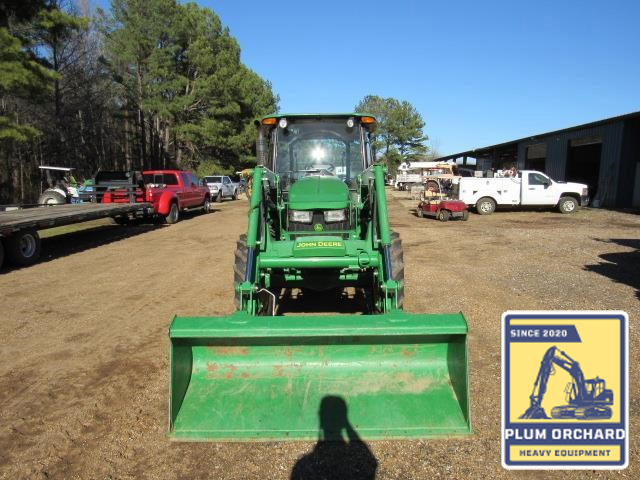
405	180
528	188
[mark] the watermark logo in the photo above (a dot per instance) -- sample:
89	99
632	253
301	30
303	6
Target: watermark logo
565	390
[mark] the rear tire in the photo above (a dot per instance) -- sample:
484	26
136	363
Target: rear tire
465	215
239	266
52	198
420	213
235	195
121	220
174	214
397	265
567	205
23	247
1	253
486	206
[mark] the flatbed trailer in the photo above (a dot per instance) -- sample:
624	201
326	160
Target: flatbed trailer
19	225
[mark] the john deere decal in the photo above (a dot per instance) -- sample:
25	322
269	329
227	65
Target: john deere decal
565	397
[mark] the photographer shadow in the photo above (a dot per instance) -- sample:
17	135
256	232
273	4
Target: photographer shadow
334	456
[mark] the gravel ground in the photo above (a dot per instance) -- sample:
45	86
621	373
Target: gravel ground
84	358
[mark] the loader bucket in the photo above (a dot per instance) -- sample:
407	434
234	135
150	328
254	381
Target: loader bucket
241	378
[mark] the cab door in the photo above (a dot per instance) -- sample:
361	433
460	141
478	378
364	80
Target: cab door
227	187
199	191
536	189
188	190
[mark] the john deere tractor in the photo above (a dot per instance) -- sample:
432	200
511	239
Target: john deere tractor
318	224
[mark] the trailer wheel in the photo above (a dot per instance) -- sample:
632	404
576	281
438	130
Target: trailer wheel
443	215
23	247
174	214
567	205
486	206
239	266
397	264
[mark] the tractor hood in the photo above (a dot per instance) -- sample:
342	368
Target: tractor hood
318	193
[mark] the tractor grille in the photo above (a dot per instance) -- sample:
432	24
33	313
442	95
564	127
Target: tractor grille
318	218
293	236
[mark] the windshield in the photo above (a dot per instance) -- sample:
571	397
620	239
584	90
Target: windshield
318	147
213	179
160	178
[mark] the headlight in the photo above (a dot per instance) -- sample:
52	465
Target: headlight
585	192
300	216
334	216
213	188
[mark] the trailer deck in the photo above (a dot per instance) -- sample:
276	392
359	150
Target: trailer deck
57	215
19	225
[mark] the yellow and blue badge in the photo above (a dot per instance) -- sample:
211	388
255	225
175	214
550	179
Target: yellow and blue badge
565	390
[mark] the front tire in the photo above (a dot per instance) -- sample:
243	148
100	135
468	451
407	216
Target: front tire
486	206
443	215
206	206
219	197
174	214
23	247
567	205
465	215
420	213
235	195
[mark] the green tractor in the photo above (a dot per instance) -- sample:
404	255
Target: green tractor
318	222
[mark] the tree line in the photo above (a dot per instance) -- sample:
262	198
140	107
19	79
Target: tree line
149	84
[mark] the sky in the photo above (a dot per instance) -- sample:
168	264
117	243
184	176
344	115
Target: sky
479	72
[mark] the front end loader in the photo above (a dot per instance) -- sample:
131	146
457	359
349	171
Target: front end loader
318	229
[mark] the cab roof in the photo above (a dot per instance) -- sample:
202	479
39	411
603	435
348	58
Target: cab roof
311	115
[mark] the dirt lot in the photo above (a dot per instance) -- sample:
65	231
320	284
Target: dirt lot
84	357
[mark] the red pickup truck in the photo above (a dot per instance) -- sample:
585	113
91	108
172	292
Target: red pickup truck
169	191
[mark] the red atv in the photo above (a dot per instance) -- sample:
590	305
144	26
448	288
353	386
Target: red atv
443	210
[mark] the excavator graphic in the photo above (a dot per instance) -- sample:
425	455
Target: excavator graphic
586	399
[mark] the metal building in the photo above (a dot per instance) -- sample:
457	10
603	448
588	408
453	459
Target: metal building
603	154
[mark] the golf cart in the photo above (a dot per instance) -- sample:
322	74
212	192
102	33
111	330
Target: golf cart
58	186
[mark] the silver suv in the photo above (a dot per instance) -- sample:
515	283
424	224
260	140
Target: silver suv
221	186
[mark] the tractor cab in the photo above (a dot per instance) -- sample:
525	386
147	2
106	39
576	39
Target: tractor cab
318	159
320	146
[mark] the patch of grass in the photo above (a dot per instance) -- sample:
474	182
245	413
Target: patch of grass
75	227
